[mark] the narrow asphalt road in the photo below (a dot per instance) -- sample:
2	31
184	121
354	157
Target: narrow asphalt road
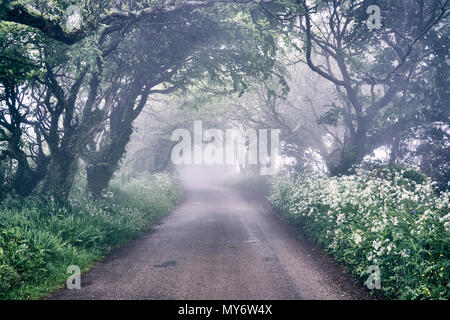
218	244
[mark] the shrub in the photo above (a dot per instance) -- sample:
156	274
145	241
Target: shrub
39	241
9	278
388	220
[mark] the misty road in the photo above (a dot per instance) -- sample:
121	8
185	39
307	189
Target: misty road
217	244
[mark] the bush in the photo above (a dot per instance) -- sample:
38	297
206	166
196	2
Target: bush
9	278
39	241
382	217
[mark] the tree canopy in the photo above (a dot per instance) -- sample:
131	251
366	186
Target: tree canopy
337	89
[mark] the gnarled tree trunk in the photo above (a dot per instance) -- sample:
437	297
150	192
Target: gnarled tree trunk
60	177
101	164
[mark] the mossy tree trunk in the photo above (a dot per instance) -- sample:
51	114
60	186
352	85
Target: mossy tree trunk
103	160
101	165
60	177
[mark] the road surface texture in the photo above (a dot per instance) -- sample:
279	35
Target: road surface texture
218	244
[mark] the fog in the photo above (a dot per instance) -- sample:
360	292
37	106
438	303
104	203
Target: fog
339	121
205	176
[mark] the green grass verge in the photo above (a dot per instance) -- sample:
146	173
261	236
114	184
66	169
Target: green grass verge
38	241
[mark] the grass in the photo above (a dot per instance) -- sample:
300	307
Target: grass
39	241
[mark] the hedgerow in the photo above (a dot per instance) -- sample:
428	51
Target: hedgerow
383	218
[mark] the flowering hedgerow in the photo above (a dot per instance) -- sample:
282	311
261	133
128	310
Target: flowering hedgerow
379	218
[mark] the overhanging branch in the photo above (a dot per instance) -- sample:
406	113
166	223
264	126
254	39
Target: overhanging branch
19	13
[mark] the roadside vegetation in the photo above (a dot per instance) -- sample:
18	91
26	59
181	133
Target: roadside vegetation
394	218
105	84
38	240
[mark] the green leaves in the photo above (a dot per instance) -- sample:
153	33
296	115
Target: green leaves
16	56
385	218
39	241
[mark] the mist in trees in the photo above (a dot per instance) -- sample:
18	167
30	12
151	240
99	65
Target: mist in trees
103	99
